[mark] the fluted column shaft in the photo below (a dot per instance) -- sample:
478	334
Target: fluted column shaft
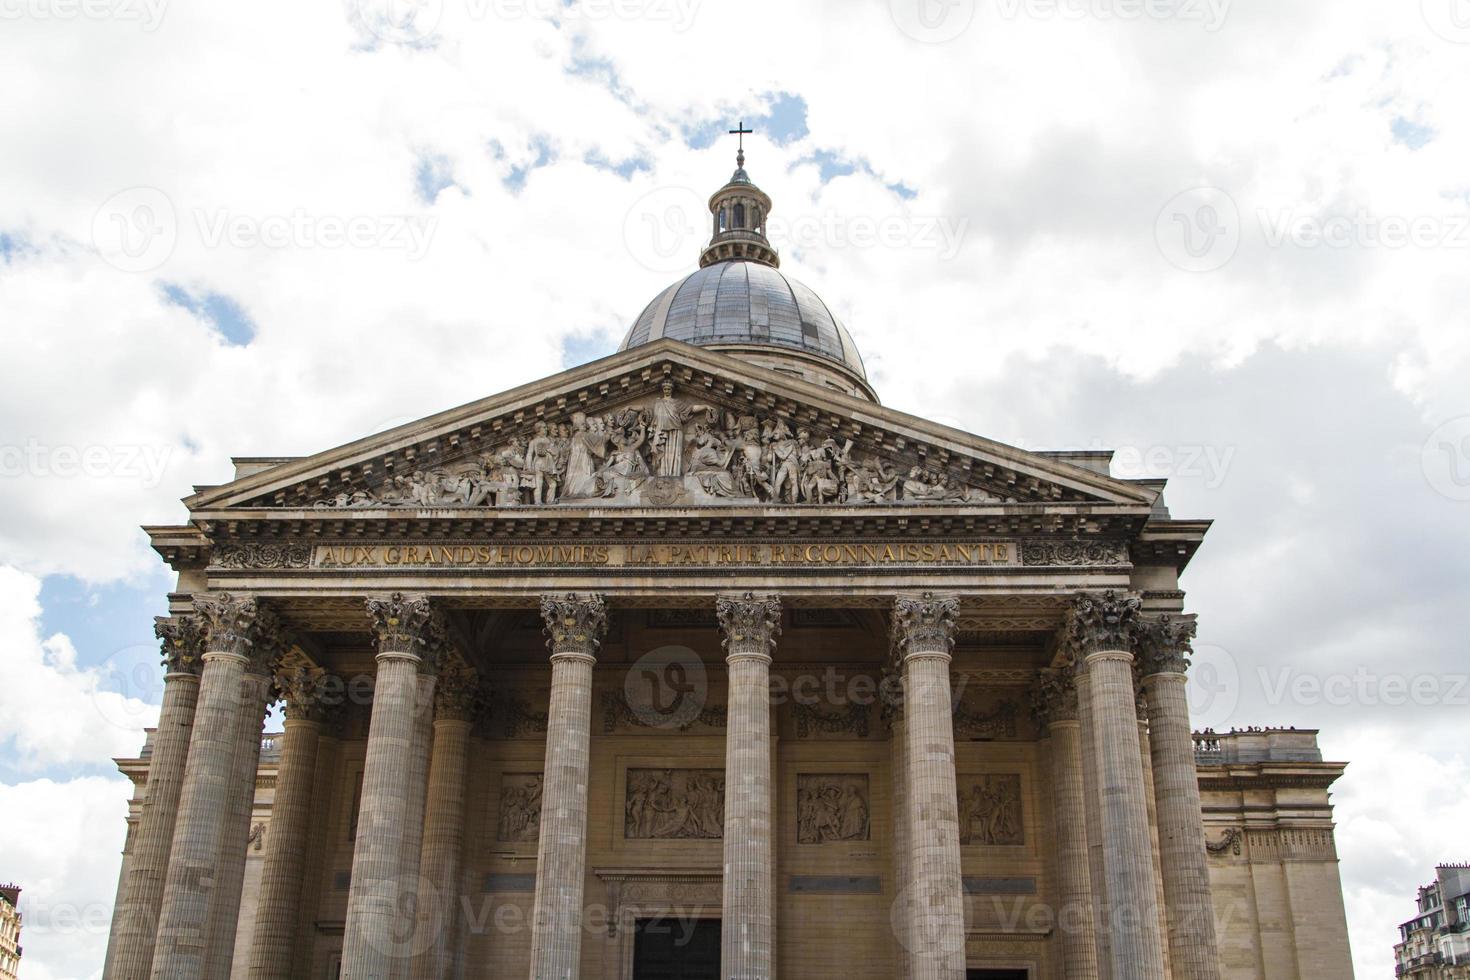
131	955
278	909
576	625
1079	951
193	887
255	696
902	912
444	825
375	942
1190	906
923	637
750	624
413	831
1097	873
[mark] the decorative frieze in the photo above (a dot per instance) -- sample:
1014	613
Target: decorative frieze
851	721
1069	554
675	804
513	717
832	808
1000	722
263	556
619	715
991	810
519	819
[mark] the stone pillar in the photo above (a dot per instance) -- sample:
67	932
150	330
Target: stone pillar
575	625
279	907
1102	630
131	954
375	944
1057	709
750	624
923	635
240	641
902	910
456	700
1091	803
1187	897
418	786
257	691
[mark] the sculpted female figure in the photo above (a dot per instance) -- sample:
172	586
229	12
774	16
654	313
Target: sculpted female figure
587	447
625	468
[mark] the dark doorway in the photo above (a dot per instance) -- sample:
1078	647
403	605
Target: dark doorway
997	975
677	949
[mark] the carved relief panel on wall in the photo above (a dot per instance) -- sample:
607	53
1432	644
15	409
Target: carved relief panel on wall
520	807
990	810
675	804
832	808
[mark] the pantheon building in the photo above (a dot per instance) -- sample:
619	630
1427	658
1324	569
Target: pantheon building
697	663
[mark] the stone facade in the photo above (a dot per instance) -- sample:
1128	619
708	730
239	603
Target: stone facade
1435	944
10	920
685	654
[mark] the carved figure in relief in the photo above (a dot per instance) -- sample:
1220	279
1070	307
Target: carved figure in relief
520	808
832	809
711	462
626	469
990	813
784	455
670	416
675	804
586	448
543	466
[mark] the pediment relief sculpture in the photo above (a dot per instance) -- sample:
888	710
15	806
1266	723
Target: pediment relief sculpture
667	451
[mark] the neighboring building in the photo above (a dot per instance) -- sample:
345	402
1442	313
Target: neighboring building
9	932
1435	943
834	691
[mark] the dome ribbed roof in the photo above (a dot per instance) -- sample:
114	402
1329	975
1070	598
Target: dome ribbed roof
743	302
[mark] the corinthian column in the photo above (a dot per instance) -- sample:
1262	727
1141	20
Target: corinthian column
1191	912
238	644
575	625
1057	710
750	625
279	907
375	945
1101	628
456	698
131	955
923	635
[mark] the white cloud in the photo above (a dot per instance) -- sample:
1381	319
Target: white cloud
55	713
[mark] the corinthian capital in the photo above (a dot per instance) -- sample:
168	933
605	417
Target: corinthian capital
458	695
241	625
402	623
750	623
1101	621
1166	643
574	623
1055	696
924	624
308	692
183	643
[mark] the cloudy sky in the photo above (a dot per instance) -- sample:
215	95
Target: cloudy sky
1228	239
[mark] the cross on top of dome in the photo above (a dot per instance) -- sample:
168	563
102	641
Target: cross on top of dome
739	210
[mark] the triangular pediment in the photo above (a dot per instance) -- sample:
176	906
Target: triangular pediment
610	434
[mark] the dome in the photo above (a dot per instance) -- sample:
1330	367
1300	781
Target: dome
737	303
741	302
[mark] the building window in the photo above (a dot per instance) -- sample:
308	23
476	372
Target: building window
739	216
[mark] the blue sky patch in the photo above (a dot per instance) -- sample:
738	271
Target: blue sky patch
579	349
221	312
515	180
435	173
1412	134
623	168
